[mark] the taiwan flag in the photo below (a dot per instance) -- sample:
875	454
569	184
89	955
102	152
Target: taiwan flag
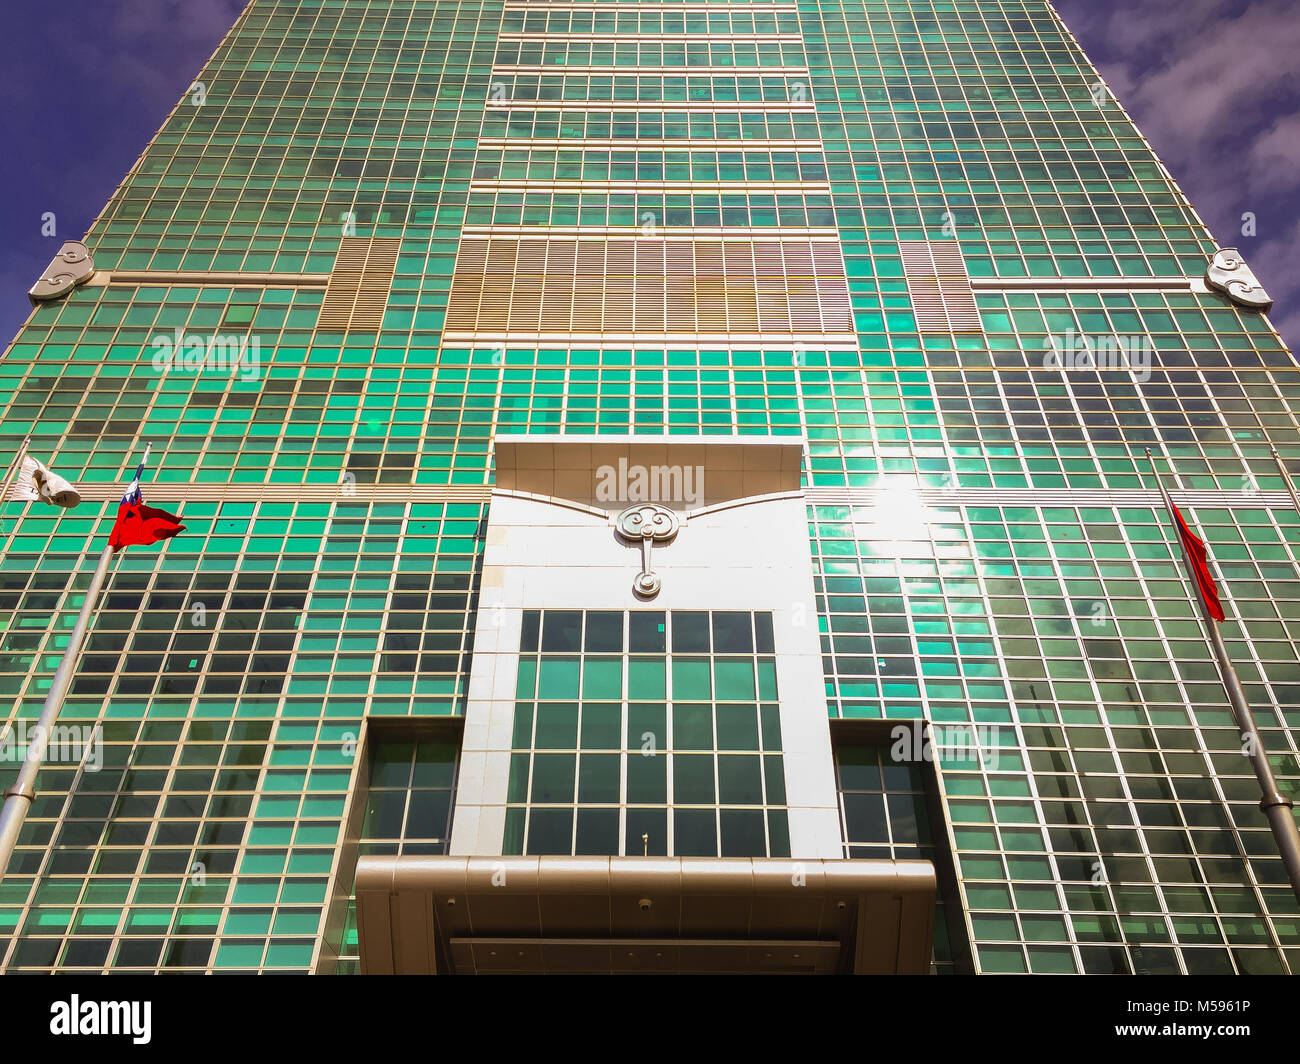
138	525
1200	568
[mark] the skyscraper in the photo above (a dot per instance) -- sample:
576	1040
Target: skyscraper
706	436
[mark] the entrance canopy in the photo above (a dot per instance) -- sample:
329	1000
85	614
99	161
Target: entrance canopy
480	915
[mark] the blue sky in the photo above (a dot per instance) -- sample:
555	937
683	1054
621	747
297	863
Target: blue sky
1215	87
85	85
1212	83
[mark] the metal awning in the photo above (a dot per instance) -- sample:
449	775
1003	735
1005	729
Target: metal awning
479	915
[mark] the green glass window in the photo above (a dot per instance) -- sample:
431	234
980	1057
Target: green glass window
663	752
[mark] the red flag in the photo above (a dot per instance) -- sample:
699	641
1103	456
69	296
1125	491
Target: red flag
1196	551
139	525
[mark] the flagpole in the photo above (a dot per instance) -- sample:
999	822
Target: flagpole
1275	805
19	797
14	470
16	465
1286	478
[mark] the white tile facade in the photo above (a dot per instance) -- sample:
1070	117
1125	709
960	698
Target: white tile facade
736	555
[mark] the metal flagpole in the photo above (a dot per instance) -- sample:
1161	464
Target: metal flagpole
1286	478
14	470
1276	805
19	797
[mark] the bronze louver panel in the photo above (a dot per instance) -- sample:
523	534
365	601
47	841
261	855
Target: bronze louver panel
939	286
566	285
357	294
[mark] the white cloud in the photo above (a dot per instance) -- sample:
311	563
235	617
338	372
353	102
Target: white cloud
1213	86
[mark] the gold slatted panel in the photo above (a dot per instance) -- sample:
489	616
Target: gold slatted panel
710	309
927	304
588	283
530	274
833	298
499	270
679	268
463	300
357	294
954	287
566	285
619	293
650	282
805	314
557	292
742	296
770	284
344	282
923	285
376	284
939	287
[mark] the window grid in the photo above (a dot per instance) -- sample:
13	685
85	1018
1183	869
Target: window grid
639	734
